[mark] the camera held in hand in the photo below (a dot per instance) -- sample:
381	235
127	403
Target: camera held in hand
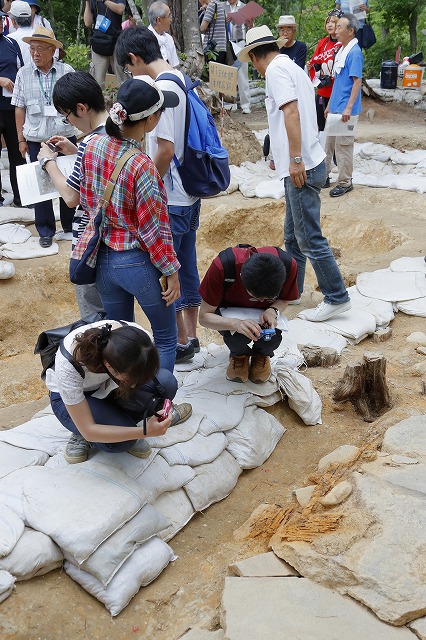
325	81
211	45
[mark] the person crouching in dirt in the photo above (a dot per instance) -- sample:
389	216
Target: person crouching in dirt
243	276
108	390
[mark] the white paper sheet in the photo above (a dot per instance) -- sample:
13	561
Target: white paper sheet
335	127
35	184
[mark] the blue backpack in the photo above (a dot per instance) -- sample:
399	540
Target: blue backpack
205	168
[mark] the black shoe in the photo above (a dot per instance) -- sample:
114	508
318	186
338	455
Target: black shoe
45	241
340	191
196	344
183	354
326	184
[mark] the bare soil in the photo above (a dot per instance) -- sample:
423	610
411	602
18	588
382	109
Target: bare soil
371	227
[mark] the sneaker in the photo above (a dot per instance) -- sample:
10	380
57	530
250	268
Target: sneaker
326	184
260	369
63	235
45	241
140	449
196	344
238	369
183	354
77	450
324	311
297	301
180	413
340	191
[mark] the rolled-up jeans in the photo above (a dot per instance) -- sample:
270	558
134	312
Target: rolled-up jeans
108	410
304	239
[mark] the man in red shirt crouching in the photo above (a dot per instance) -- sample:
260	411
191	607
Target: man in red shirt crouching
249	278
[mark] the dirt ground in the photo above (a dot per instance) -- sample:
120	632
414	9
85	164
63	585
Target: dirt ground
371	227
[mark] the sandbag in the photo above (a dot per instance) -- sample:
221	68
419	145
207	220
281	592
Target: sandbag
43	433
11	529
13	233
177	507
213	482
33	555
161	477
302	397
13	458
143	566
6	585
198	450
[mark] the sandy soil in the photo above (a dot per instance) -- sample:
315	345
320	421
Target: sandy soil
371	227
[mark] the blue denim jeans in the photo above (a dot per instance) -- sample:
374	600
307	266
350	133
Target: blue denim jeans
107	411
184	222
122	276
303	236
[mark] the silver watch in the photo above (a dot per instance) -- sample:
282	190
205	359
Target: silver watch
43	162
297	159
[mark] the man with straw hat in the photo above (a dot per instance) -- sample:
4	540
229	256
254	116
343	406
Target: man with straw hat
37	120
294	49
299	160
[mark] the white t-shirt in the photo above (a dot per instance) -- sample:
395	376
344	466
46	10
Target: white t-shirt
286	82
66	380
167	47
17	35
172	128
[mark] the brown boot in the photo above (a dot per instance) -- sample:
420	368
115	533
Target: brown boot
238	369
260	369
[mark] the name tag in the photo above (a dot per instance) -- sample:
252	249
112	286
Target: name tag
49	110
102	23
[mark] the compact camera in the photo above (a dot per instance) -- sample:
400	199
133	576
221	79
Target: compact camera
266	334
211	45
325	81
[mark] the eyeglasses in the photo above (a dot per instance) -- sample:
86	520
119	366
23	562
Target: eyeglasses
34	49
127	72
65	118
253	299
286	28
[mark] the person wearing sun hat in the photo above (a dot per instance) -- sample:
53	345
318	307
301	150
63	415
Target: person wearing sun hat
137	244
37	119
299	160
294	49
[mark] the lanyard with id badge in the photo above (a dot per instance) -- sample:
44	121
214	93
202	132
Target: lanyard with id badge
49	109
102	23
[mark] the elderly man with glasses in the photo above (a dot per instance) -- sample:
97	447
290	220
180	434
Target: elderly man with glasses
37	120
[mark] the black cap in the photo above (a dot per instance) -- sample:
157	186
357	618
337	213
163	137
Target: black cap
140	96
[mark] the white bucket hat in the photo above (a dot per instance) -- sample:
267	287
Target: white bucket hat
256	37
286	21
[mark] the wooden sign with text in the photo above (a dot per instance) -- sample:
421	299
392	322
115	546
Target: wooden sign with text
223	79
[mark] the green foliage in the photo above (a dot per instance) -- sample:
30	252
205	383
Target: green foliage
78	56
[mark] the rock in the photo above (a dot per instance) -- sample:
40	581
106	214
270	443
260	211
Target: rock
397	459
304	494
419	369
421	350
408	437
264	565
381	335
316	356
338	494
203	634
7	270
417	337
419	628
256	522
342	455
370	114
278	608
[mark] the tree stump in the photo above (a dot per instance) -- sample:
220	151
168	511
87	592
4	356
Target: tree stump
364	384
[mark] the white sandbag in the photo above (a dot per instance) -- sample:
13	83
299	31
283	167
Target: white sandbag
180	433
80	507
7	270
302	397
393	286
287	354
34	555
207	403
375	151
28	249
13	458
215	381
11	529
17	214
382	310
213	482
197	362
198	450
413	307
253	441
408	157
112	554
409	264
44	433
13	233
355	324
6	585
273	188
143	566
161	477
11	491
177	507
302	332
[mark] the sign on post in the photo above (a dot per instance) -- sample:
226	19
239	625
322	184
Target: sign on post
223	79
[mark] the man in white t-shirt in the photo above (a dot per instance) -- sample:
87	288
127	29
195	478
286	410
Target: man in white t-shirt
299	160
138	52
160	18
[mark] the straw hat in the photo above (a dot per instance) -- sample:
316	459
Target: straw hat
286	21
256	37
42	34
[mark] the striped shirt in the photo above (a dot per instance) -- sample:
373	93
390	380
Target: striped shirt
136	215
217	28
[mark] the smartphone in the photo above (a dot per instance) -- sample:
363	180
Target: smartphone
166	409
53	147
163	283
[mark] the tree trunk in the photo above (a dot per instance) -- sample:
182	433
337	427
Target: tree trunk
79	18
413	29
51	13
176	26
364	384
193	64
135	12
144	4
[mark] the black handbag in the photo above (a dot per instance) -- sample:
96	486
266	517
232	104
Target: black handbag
103	42
366	36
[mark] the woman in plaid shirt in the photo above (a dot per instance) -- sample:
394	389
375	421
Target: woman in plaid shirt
137	246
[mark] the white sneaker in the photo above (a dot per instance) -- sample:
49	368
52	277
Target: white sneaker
324	311
246	110
63	235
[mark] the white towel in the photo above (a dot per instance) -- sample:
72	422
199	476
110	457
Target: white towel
341	56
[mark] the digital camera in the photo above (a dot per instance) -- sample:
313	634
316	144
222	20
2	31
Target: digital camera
325	81
211	45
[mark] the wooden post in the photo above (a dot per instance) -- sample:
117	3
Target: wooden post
364	384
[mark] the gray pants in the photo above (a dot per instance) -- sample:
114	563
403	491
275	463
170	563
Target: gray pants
343	147
88	299
99	68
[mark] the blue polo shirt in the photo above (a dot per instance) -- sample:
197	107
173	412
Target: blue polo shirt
343	83
10	58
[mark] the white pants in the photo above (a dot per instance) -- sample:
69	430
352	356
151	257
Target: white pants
99	68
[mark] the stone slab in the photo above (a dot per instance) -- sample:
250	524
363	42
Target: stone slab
419	628
408	437
263	565
286	609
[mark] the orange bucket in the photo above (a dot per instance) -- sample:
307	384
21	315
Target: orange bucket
413	75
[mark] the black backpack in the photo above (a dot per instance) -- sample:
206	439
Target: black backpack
227	259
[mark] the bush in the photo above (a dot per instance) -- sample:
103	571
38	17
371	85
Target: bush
78	56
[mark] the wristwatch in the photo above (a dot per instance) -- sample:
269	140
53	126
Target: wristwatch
43	162
297	159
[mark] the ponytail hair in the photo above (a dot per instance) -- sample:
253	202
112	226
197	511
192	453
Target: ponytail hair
128	350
